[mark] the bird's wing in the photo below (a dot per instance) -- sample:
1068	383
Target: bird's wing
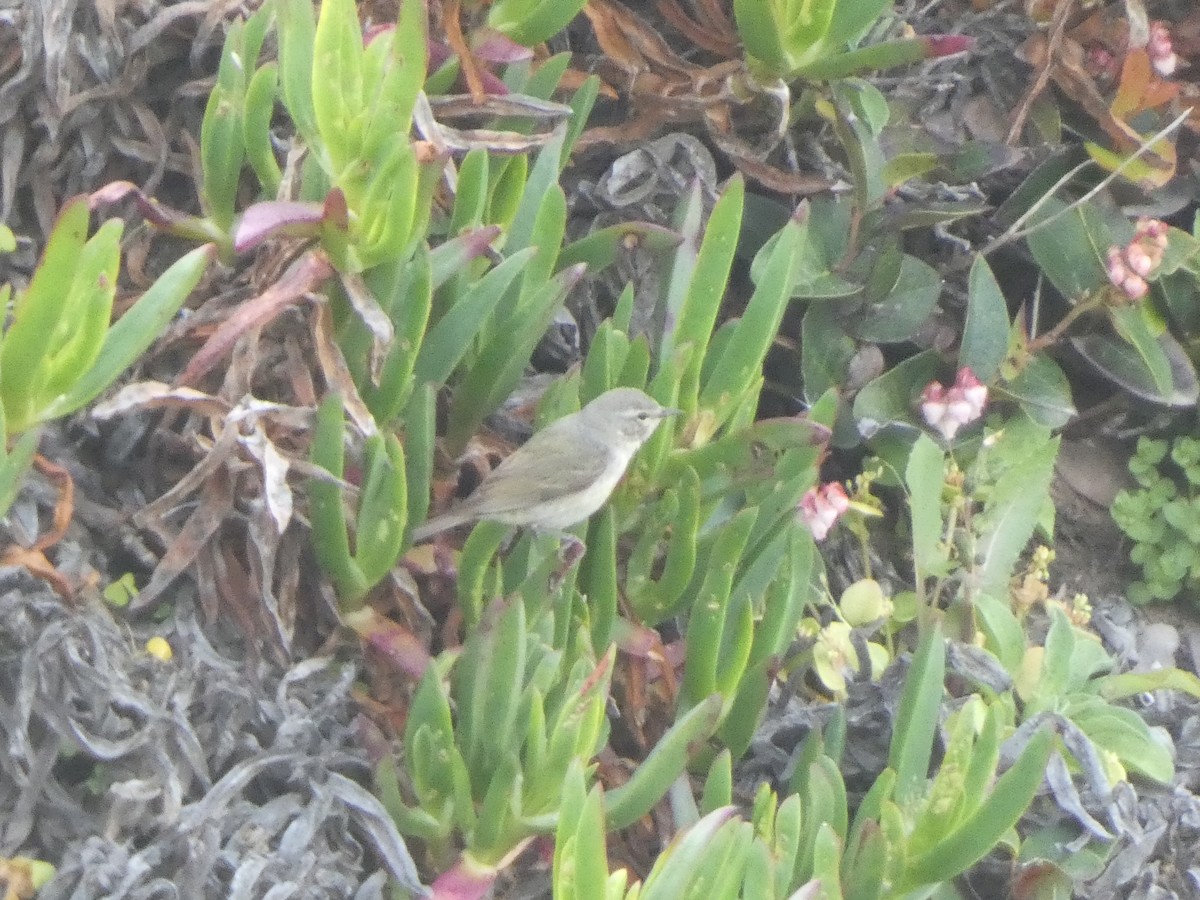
533	474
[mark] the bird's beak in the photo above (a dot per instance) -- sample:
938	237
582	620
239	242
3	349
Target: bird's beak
667	411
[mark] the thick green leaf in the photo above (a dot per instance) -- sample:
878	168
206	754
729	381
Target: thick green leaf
580	857
1014	505
331	533
382	508
447	342
737	368
707	624
924	477
14	463
36	315
979	835
850	21
706	287
531	24
257	111
138	328
603	247
297	32
84	315
916	721
337	84
470	198
500	364
761	34
632	800
543	178
222	148
487	684
674	876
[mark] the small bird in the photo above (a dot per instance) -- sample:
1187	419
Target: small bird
565	472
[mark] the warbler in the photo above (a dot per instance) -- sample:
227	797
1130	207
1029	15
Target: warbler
565	472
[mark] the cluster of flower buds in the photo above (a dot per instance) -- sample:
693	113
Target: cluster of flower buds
949	409
821	506
1101	63
1162	54
1129	266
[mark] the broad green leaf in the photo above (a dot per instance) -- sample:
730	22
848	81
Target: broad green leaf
1124	733
897	316
892	397
1141	368
1070	251
825	351
1043	392
1003	632
985	332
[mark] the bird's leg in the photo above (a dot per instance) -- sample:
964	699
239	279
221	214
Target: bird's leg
569	554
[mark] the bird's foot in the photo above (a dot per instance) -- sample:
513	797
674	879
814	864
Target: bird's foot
569	555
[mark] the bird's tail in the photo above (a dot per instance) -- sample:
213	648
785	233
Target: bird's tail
438	524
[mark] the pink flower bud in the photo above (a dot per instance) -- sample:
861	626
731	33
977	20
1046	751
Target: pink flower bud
1151	228
820	508
1138	259
1161	51
1135	288
973	392
946	411
1100	61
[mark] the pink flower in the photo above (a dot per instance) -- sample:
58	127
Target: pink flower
948	410
1161	52
820	508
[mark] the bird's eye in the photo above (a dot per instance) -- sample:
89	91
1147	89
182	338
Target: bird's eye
643	416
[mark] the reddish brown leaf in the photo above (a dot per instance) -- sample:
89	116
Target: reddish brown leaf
302	277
